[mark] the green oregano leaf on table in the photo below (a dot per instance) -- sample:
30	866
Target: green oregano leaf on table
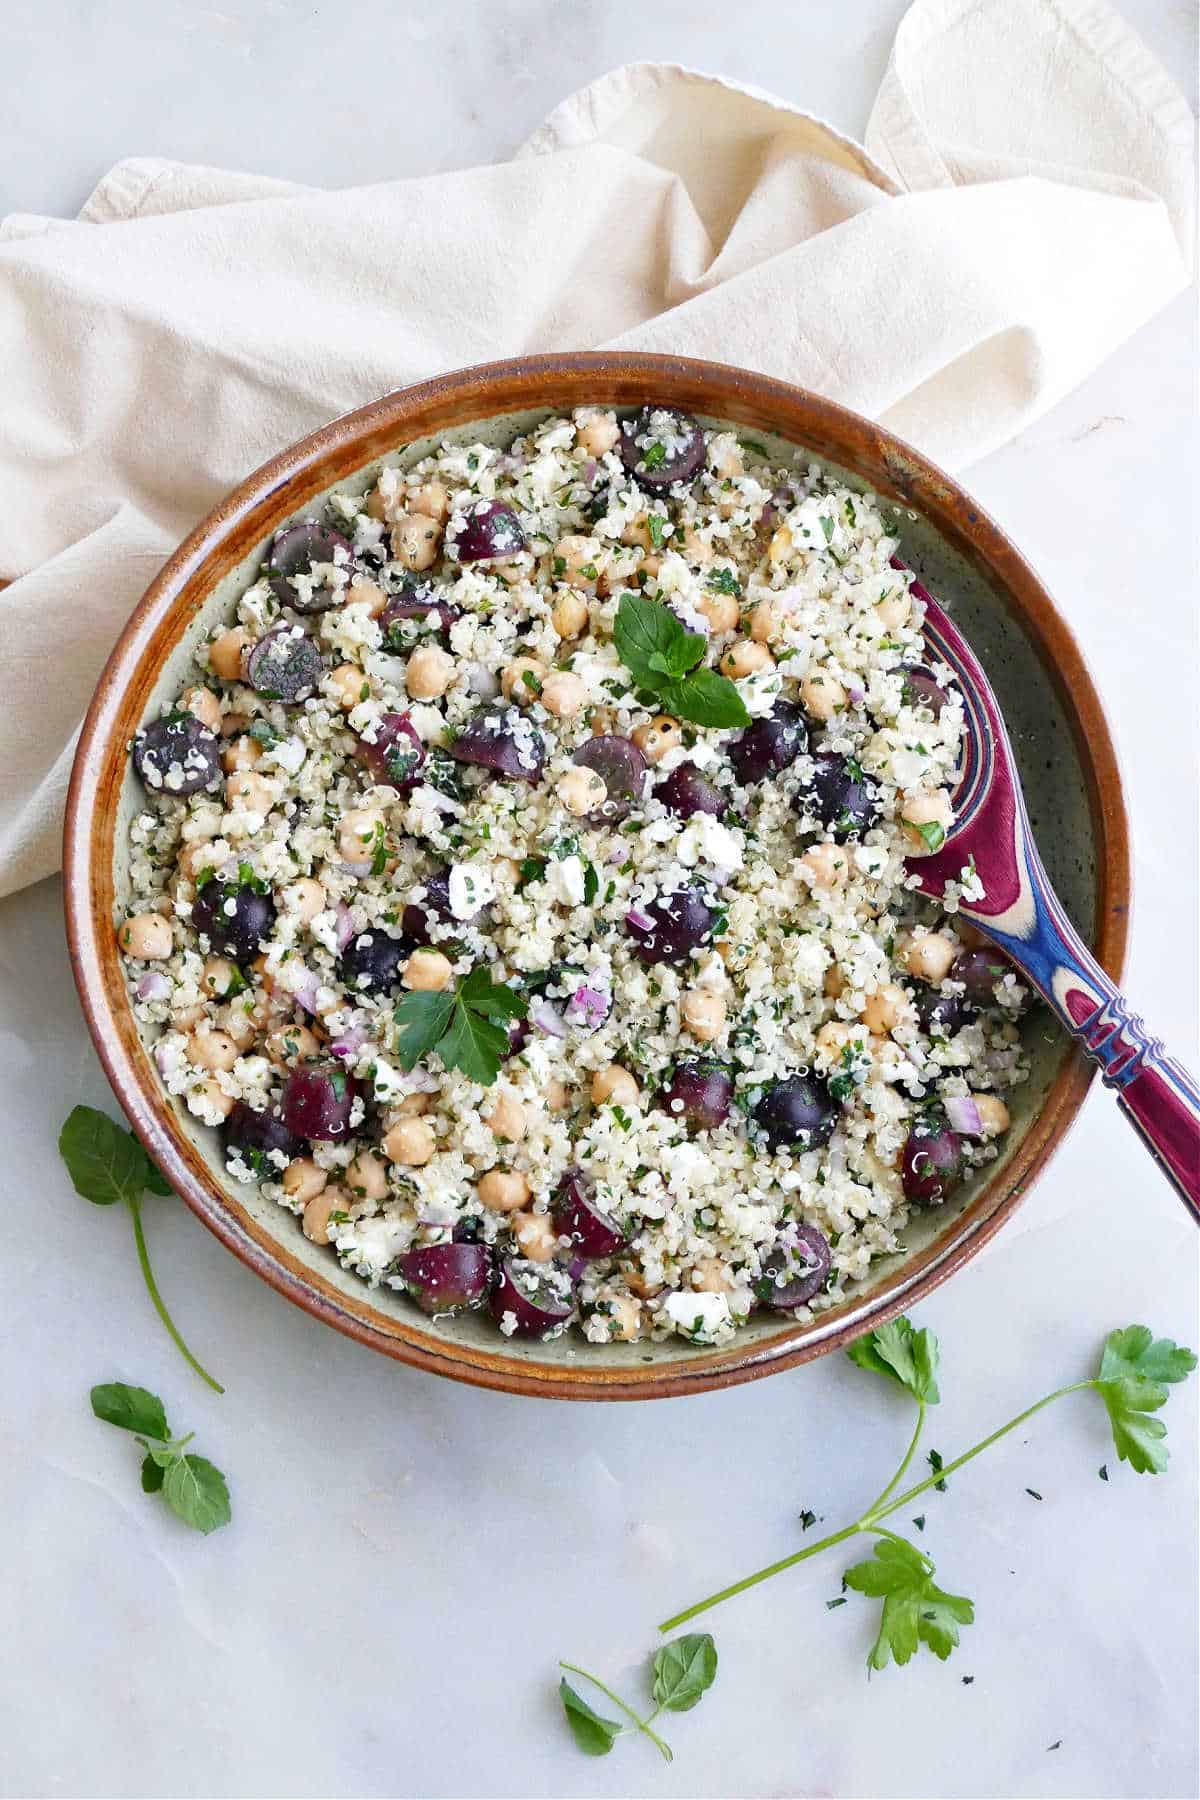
663	658
681	1674
192	1487
594	1735
106	1165
684	1671
467	1026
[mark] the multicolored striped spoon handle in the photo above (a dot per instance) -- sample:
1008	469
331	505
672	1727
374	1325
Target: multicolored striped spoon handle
1020	911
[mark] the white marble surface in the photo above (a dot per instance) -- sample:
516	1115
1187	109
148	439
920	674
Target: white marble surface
409	1558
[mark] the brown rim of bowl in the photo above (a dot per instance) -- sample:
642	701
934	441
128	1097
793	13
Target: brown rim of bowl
334	453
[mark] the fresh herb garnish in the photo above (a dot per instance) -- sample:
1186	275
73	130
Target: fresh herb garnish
724	581
107	1165
662	657
682	1671
191	1486
932	835
1135	1373
656	525
465	1025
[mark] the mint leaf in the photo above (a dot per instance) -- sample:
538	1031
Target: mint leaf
904	1354
705	698
594	1735
1135	1351
684	1671
643	629
130	1408
915	1610
196	1491
423	1019
105	1163
152	1476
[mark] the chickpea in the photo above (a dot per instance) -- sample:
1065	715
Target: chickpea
416	540
507	1118
695	548
247	792
703	1013
535	1234
721	610
289	1044
883	1010
725	458
624	1318
232	723
146	937
893	610
411	1142
375	506
710	1277
917	810
303	1180
834	983
746	658
366	1176
994	1116
636	534
577	560
596	433
822	696
412	1106
581	791
237	1023
431	499
616	1086
555	1095
603	721
825	865
203	704
186	1018
306	898
658	736
359	832
779	550
834	1036
639	1283
569	615
563	695
211	1050
429	673
362	592
929	955
316	1224
503	1190
225	654
767	621
217	977
428	972
240	753
192	859
211	1097
522	681
346	686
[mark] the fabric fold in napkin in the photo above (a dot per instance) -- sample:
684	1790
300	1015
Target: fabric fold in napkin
1021	205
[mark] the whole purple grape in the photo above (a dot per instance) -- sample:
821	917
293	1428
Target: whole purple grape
699	1092
798	1113
686	792
668	928
979	971
933	1162
840	795
317	1100
235	917
941	1015
295	552
445	1278
177	755
252	1134
372	962
795	1270
770	744
489	532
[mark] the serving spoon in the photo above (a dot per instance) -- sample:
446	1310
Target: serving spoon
1019	911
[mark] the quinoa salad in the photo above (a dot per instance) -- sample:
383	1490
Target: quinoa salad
520	886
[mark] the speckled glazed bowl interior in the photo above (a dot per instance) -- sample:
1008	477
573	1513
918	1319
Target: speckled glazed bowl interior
1062	744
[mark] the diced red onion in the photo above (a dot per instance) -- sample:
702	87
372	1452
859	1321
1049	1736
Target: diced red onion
857	694
639	921
588	1006
577	1268
962	1114
167	1059
591	469
345	924
301	984
348	1045
547	1018
154	985
419	1081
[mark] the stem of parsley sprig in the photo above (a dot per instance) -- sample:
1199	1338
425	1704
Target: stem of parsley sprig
107	1165
1134	1374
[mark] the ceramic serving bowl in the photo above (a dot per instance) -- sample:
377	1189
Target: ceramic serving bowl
1062	743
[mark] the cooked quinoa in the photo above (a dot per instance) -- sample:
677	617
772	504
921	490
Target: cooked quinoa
519	980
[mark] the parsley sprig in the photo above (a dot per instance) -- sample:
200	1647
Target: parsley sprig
107	1165
467	1025
192	1487
1135	1373
662	656
683	1671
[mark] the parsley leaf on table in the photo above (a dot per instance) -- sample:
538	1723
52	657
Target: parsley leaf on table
662	655
915	1610
1135	1371
192	1487
904	1354
467	1026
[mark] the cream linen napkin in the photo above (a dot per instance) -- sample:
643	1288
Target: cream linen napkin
1021	206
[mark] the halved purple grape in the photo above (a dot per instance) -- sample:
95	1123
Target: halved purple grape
660	446
669	927
700	1092
489	532
504	741
417	599
316	1101
396	755
922	689
941	1015
252	1134
799	1113
372	962
538	1297
795	1270
623	770
686	792
979	971
235	917
444	1278
932	1165
283	665
840	795
592	1231
770	744
418	916
296	551
177	755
